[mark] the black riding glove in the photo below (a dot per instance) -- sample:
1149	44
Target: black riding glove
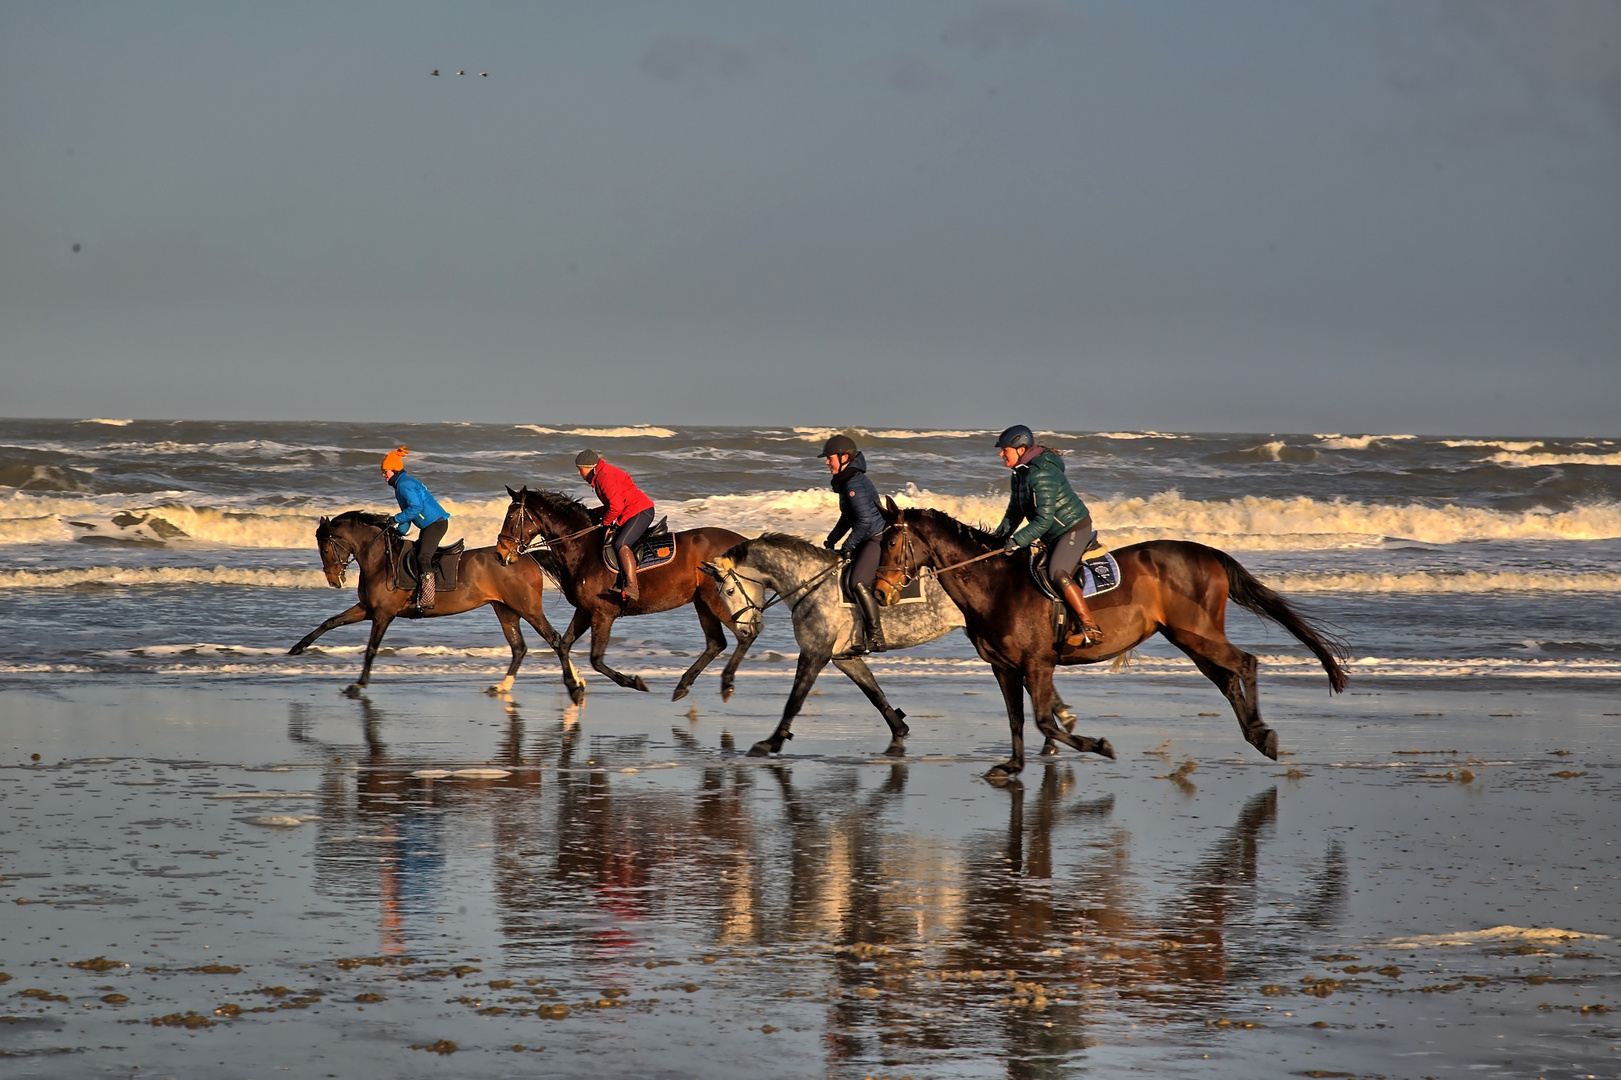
1010	547
829	543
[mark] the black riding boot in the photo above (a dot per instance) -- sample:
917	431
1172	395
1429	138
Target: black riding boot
425	589
627	573
869	615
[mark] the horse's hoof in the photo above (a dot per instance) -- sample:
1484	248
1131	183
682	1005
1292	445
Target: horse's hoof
763	748
1269	745
577	695
897	748
639	683
352	690
1106	749
680	692
1068	720
1049	749
296	650
1005	771
727	691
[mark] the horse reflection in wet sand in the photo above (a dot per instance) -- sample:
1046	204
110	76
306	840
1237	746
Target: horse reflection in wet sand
1171	587
512	591
806	579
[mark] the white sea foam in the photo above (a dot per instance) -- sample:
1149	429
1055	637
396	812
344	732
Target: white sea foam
1474	581
137	577
1358	442
1532	461
1496	444
1129	435
900	433
107	421
631	432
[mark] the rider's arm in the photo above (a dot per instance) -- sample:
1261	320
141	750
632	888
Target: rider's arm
868	521
408	492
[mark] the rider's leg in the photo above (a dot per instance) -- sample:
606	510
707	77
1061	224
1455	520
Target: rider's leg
428	546
1066	557
863	573
630	532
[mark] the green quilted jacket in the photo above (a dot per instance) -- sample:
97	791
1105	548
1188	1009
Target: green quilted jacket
1042	494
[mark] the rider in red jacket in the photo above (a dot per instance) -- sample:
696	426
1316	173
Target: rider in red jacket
625	508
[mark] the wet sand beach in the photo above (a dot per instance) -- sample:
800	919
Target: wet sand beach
258	877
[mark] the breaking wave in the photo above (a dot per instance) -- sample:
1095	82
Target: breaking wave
1358	442
108	422
1469	581
1532	461
634	431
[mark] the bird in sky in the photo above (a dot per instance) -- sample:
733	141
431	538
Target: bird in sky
435	71
461	73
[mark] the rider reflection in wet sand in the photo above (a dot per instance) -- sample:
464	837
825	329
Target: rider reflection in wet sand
1057	515
860	517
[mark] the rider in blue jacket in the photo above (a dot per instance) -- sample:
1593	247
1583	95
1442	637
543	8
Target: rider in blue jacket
419	508
860	517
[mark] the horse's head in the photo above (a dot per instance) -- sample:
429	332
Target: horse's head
901	557
335	554
744	595
517	528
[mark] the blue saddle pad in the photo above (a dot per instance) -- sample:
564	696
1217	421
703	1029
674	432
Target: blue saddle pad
1099	575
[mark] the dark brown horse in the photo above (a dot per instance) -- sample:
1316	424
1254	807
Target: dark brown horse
571	539
514	591
1177	588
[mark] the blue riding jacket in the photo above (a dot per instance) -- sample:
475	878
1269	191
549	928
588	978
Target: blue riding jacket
858	506
417	507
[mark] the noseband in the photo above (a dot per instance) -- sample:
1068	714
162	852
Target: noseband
519	544
907	575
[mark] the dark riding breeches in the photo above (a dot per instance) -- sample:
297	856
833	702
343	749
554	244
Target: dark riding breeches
1067	552
865	570
633	529
428	545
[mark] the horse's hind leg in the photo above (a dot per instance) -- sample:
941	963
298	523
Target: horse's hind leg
810	666
860	674
1042	696
714	645
1012	684
1233	671
353	615
601	623
513	629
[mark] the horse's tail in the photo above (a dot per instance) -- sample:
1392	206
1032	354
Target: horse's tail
1248	593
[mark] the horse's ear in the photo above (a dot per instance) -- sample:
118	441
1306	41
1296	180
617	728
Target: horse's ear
710	568
324	522
890	511
510	492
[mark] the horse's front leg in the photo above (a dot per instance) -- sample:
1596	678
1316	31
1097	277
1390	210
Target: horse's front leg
860	674
1011	682
1042	696
353	615
729	672
513	629
714	643
565	644
379	626
601	623
810	666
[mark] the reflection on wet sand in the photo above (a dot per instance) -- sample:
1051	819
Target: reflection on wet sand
812	881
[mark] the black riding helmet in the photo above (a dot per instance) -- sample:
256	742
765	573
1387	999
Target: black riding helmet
1018	436
838	444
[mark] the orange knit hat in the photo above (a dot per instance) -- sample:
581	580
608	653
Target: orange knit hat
395	460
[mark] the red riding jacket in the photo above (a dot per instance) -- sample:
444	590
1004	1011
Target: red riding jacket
618	493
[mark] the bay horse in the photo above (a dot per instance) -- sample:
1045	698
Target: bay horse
514	591
805	578
571	538
1176	588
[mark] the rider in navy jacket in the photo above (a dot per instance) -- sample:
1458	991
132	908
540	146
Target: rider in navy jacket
859	516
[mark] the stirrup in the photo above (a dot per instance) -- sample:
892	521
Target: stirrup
1088	634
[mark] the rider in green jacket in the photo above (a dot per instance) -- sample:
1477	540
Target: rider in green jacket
1056	515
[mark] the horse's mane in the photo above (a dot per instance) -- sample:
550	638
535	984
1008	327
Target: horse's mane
575	514
794	544
945	522
364	517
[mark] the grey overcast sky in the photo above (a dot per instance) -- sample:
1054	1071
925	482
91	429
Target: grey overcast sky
1276	216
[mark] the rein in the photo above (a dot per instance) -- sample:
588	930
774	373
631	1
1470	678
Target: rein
909	576
522	546
798	592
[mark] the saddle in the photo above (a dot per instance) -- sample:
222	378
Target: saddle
447	563
1099	573
655	548
912	594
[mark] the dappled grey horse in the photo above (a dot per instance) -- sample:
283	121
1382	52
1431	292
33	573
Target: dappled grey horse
806	578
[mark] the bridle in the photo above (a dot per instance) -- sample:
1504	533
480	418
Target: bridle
521	545
909	576
340	548
791	597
